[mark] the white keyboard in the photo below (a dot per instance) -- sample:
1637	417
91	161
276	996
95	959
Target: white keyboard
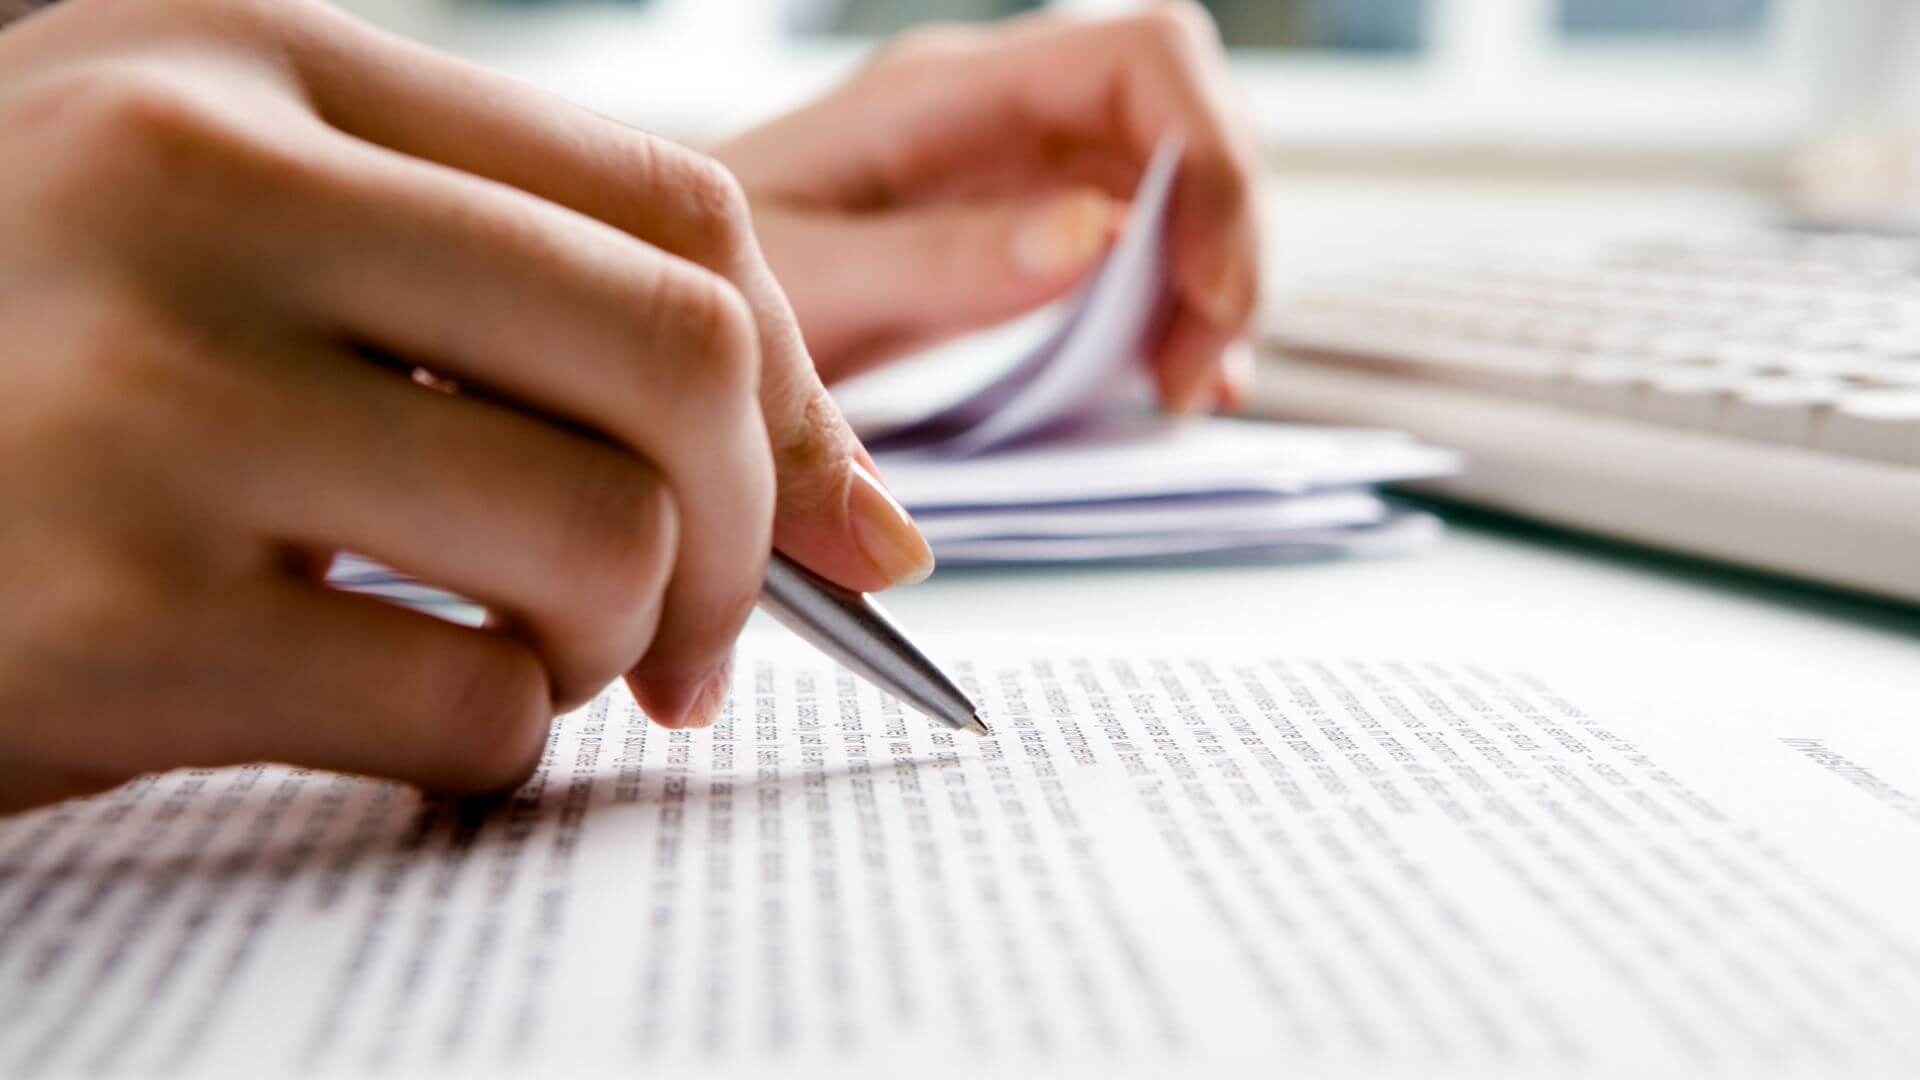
1755	401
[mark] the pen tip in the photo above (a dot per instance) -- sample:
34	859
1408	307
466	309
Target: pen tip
977	725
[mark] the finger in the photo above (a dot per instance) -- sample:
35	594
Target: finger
461	116
564	316
1237	370
351	684
1032	167
1215	243
1044	83
570	541
476	121
1167	76
940	270
23	787
1187	365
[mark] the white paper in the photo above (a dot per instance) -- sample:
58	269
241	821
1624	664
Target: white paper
1233	515
1393	533
1158	866
1149	457
1096	353
1004	473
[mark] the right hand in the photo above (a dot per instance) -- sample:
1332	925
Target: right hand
215	214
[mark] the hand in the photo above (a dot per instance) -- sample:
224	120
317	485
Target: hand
969	174
232	226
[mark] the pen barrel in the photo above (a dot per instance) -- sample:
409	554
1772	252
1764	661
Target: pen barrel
855	631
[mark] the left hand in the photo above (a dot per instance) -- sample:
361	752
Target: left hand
971	173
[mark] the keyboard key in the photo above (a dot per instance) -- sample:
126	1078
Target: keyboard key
1686	397
1894	340
1833	364
1889	375
1777	408
1750	399
1883	425
1609	386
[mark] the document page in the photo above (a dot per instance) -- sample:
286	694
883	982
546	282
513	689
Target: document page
1220	864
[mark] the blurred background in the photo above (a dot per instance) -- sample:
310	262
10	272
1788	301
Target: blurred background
1379	116
1572	183
1703	78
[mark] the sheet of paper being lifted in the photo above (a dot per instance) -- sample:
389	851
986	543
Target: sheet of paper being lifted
1089	359
1057	457
1209	865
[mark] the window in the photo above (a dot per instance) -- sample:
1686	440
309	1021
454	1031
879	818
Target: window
874	18
1352	26
1737	76
1663	18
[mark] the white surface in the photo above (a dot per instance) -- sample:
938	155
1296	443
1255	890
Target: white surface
1394	534
1323	510
1487	594
1152	457
1645	636
1174	856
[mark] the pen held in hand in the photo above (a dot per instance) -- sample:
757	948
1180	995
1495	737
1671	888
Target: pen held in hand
853	629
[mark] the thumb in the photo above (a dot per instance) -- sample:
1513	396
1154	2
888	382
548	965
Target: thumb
930	272
831	512
968	265
939	270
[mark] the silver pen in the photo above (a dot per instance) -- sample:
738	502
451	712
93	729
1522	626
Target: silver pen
851	628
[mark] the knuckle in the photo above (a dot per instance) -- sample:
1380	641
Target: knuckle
85	415
142	117
720	206
713	220
497	719
722	335
126	386
104	599
811	454
97	134
621	537
718	190
928	43
112	133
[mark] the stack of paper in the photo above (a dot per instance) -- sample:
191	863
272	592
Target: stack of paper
1138	487
1059	458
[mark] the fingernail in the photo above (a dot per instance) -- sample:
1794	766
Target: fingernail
1190	398
886	535
712	699
1221	289
1064	235
1236	373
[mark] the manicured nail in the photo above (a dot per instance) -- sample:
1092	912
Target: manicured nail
1222	288
1063	235
886	535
